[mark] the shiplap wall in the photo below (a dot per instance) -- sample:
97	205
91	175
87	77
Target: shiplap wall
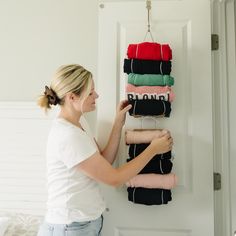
23	134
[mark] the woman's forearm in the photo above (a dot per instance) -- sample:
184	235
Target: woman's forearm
133	167
99	169
112	146
110	151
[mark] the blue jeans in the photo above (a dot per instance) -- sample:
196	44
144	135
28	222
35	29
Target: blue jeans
86	228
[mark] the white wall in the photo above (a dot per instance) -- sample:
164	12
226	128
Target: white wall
37	36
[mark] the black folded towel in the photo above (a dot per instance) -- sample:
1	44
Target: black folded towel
149	196
147	66
150	108
136	149
156	166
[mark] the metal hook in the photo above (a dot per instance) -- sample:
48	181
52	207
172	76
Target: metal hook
149	117
148	6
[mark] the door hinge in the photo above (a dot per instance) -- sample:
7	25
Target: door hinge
217	181
214	42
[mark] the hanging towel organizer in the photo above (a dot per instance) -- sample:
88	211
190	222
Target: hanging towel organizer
148	89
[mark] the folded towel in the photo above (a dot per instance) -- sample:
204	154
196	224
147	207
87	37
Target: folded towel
148	96
149	92
147	66
150	51
141	136
136	149
167	181
156	166
150	80
149	196
150	108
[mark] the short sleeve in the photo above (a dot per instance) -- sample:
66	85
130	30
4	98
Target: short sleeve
75	148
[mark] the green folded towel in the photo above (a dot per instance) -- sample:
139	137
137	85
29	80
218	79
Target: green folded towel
150	80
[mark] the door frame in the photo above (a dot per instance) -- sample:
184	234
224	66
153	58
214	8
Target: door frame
223	24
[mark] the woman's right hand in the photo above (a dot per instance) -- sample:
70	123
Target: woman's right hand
121	110
162	144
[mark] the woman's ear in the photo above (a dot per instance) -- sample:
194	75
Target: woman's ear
72	97
69	97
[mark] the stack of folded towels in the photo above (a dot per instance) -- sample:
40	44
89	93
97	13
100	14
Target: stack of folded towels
149	82
149	91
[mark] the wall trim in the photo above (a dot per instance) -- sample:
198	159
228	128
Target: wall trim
24	128
24	109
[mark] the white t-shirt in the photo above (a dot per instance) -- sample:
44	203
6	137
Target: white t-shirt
72	196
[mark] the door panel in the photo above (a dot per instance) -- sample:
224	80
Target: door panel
185	25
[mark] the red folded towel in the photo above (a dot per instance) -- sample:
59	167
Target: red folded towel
149	51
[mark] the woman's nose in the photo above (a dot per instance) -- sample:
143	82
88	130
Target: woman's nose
96	95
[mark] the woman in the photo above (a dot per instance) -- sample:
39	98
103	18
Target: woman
74	162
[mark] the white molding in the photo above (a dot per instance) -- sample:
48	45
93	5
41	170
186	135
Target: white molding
24	128
25	110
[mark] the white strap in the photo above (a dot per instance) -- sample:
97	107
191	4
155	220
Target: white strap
134	195
134	150
132	60
161	167
134	107
164	108
161	67
162	196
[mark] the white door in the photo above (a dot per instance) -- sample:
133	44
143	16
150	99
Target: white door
185	25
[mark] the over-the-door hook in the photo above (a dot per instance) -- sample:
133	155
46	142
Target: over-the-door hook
148	6
149	117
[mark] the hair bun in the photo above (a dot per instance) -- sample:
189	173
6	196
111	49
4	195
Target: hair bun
51	96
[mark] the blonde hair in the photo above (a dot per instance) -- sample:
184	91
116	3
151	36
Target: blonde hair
68	78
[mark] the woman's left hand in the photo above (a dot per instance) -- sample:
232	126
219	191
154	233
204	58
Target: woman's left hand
121	110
